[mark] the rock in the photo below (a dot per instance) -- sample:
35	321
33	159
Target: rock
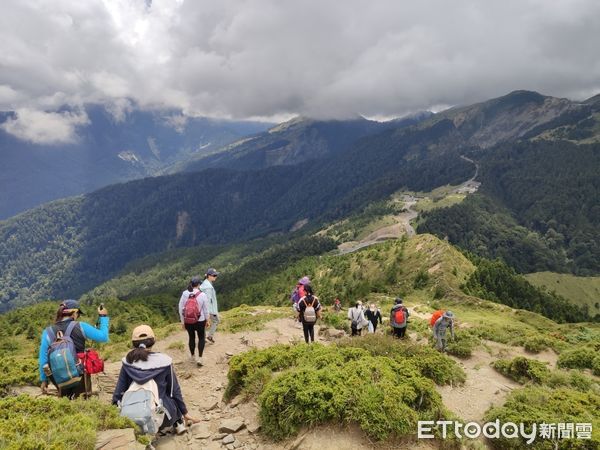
230	447
253	427
208	404
219	436
229	439
231	425
237	444
200	431
230	354
117	439
235	402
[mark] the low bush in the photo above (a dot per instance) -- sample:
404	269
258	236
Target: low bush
381	384
250	318
463	344
538	404
578	358
55	423
336	320
523	369
17	372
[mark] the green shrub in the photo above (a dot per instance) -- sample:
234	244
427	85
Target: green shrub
17	372
463	344
578	358
376	382
55	423
336	320
536	343
522	369
596	366
535	405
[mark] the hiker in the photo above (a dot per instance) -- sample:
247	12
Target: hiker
439	330
373	315
298	292
193	312
357	318
337	305
399	318
66	373
309	310
143	369
213	309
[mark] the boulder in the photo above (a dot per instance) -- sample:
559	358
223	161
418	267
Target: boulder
117	440
229	439
231	425
200	431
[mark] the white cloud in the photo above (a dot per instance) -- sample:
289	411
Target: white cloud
45	128
268	58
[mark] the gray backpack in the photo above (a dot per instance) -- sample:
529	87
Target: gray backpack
310	315
141	404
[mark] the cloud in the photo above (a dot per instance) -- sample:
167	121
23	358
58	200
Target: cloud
268	58
45	128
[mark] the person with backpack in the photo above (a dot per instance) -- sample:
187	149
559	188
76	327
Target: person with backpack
373	315
309	310
440	327
147	389
298	292
399	318
213	309
357	318
63	344
193	312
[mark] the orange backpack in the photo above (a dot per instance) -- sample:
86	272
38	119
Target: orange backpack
435	316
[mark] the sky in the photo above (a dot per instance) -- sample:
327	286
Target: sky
274	59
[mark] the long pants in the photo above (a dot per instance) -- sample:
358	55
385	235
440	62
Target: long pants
214	321
309	331
440	343
356	331
199	329
83	387
399	332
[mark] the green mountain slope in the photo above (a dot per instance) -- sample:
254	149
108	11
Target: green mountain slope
582	291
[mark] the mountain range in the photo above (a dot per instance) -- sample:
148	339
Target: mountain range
273	184
105	151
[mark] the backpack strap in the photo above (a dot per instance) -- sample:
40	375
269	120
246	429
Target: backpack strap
50	334
69	329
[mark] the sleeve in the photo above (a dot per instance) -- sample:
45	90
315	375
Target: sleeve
96	334
181	305
318	305
176	391
43	355
452	328
436	325
123	384
203	305
379	316
350	313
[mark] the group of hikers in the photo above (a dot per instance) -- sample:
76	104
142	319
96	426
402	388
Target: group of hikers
147	390
307	310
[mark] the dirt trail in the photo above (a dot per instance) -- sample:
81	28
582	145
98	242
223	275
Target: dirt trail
203	389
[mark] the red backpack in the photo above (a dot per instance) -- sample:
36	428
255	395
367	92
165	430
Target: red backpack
399	316
435	316
191	312
92	363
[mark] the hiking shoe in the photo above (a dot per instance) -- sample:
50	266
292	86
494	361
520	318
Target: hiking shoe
210	339
193	358
180	428
199	361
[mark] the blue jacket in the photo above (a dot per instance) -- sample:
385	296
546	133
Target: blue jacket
159	368
79	335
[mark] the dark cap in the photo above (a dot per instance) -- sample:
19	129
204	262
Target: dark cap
70	305
195	280
398	301
212	271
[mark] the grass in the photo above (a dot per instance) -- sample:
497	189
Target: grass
582	291
429	203
250	318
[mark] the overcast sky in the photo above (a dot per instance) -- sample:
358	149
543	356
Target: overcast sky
277	58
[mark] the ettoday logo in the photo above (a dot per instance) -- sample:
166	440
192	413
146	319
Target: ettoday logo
508	430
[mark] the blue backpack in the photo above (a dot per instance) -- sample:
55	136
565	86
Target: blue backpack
62	357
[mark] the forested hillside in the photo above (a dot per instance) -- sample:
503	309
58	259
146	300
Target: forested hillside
537	208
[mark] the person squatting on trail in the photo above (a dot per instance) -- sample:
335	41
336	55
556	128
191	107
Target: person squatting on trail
213	309
399	318
309	310
193	313
68	331
357	318
140	366
439	330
